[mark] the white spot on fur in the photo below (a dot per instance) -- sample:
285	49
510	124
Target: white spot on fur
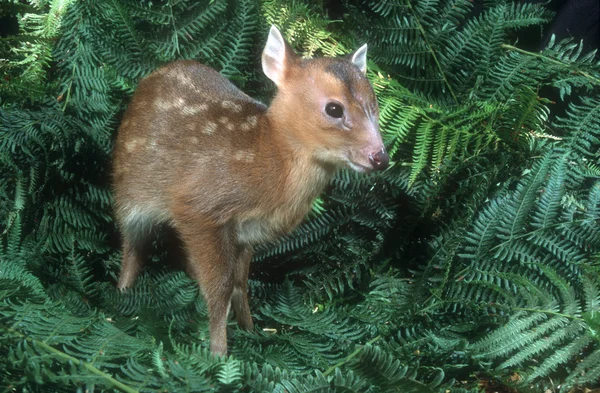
133	144
162	104
245	126
244	156
202	159
194	109
209	128
252	121
194	140
225	121
232	106
165	105
173	73
184	79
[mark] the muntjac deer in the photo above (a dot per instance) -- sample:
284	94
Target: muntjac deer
227	172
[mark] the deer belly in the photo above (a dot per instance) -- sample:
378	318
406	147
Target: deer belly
261	229
256	230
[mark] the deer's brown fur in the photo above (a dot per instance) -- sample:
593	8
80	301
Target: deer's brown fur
227	172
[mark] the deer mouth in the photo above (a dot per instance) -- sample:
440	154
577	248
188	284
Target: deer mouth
359	167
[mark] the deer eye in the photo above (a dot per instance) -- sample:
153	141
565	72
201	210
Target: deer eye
334	109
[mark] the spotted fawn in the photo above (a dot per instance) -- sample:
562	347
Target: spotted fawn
226	172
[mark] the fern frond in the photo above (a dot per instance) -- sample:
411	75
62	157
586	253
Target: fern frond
543	328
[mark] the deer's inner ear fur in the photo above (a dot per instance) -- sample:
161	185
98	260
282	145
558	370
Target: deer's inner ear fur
276	57
359	58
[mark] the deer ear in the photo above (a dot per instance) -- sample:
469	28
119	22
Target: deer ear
276	57
359	58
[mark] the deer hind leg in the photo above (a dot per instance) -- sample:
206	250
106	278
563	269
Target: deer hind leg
239	297
210	250
136	230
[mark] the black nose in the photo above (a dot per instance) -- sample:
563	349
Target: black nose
379	160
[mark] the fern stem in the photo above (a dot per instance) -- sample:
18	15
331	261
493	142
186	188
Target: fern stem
125	22
558	314
439	66
551	60
504	243
174	28
352	355
68	98
119	385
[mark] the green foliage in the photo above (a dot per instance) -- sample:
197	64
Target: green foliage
24	76
475	254
549	330
305	27
434	47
